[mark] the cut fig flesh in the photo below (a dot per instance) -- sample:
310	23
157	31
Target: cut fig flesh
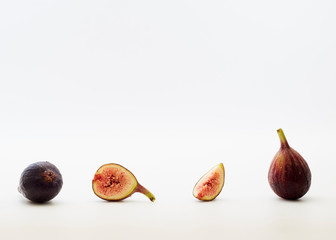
211	184
114	182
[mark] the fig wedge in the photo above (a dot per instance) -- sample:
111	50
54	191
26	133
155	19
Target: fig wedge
113	182
211	184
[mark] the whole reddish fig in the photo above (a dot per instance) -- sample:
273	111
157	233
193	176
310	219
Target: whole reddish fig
289	175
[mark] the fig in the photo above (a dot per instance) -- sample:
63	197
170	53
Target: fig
289	175
210	185
114	182
40	182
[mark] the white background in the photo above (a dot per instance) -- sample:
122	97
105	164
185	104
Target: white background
167	89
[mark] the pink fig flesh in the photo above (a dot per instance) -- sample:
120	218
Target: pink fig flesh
289	175
211	184
114	182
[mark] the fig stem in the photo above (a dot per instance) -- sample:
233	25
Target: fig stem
282	137
145	191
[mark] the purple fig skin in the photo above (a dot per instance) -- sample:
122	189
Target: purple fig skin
289	175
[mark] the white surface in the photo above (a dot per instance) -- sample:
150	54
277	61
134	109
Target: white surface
168	90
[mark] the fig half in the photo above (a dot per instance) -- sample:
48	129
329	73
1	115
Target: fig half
40	182
211	184
114	182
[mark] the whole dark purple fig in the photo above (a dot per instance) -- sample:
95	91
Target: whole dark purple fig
289	174
40	182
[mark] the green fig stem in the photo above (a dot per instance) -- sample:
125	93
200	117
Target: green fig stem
145	191
283	139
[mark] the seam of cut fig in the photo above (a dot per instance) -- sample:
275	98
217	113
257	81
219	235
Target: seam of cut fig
210	185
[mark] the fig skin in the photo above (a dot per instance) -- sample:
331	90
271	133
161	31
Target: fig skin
289	175
113	178
40	182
